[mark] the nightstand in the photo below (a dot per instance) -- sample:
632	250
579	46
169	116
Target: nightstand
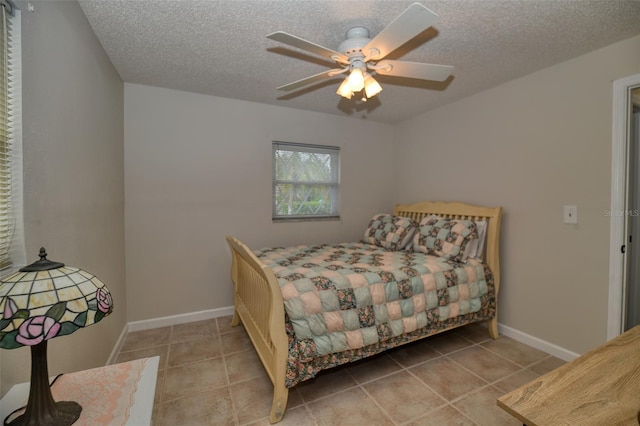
119	393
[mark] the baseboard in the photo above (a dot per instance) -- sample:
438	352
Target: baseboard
118	346
550	348
179	319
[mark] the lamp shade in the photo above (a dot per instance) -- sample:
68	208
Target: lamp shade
48	299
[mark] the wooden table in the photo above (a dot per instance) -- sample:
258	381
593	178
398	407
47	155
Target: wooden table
601	387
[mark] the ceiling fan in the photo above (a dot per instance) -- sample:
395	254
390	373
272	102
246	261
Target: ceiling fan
362	57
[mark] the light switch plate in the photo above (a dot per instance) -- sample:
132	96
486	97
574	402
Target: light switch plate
570	214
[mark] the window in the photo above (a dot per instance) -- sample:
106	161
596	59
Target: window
11	234
306	181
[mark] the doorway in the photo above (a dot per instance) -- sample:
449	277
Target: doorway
621	182
632	296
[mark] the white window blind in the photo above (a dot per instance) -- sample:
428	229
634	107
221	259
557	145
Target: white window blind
11	234
306	181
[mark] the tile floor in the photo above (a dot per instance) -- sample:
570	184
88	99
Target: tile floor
210	375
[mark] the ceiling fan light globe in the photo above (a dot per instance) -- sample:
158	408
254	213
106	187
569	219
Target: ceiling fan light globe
344	89
371	86
356	80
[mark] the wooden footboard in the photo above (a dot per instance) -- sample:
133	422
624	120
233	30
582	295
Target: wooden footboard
260	308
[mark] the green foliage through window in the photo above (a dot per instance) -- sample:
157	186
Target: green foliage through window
306	181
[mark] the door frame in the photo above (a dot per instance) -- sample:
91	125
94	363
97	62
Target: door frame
619	164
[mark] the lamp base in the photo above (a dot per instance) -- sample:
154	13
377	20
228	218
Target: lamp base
41	409
64	413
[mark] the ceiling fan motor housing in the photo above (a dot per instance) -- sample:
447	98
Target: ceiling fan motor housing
357	38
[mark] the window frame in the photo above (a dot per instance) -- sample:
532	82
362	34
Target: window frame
333	183
12	252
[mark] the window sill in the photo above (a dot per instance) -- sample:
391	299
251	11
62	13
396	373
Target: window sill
305	219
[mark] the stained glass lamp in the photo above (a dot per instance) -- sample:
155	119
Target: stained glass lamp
45	300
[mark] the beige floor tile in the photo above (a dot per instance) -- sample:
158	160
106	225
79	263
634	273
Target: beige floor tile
235	341
484	363
482	408
299	416
413	353
161	351
159	394
446	416
194	350
473	332
192	378
194	330
224	325
201	383
515	351
294	405
252	399
546	365
516	380
348	408
447	378
146	339
211	407
243	366
295	399
373	368
403	397
326	383
447	342
156	416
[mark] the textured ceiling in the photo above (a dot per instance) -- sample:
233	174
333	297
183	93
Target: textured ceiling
218	47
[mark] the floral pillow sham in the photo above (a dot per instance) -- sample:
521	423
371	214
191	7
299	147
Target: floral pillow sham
444	237
390	232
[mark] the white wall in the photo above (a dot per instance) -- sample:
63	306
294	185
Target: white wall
73	145
533	145
198	168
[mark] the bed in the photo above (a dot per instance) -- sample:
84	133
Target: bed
424	269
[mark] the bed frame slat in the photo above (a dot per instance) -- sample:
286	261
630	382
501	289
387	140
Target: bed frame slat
259	306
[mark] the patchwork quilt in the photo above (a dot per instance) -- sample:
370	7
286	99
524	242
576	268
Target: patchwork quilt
348	301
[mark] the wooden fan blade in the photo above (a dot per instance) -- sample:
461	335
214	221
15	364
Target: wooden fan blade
406	26
311	79
413	70
300	43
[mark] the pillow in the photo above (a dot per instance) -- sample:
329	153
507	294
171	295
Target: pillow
475	247
389	231
444	237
